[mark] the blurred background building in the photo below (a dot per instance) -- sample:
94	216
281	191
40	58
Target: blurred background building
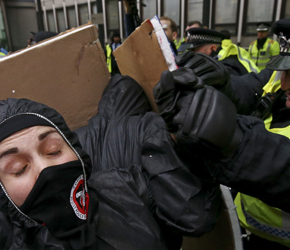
18	18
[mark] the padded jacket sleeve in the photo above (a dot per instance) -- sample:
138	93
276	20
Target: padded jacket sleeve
123	96
260	167
124	134
247	89
183	202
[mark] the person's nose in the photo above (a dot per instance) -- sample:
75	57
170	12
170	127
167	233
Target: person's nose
39	164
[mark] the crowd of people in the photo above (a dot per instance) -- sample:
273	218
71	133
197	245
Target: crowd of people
135	179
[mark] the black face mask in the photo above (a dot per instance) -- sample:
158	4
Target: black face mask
59	201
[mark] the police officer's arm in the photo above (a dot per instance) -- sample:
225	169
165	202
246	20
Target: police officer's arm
237	150
260	166
243	91
183	202
247	89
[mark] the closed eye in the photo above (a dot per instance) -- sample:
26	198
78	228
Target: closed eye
21	171
55	153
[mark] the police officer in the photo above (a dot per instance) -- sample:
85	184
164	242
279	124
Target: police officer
264	48
111	61
229	49
209	42
191	24
248	153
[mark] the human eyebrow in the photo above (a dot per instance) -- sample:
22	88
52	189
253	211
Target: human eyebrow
9	151
42	136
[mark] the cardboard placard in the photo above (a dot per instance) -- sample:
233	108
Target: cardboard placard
141	58
67	72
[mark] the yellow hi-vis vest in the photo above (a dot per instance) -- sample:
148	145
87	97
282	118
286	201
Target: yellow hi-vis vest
229	49
260	219
261	57
178	43
109	59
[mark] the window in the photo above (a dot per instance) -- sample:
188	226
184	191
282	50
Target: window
258	11
225	15
94	8
71	17
3	38
60	20
150	10
112	18
287	10
83	13
194	11
112	15
172	10
50	21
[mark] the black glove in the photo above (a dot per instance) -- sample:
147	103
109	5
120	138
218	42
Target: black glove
207	117
210	70
168	90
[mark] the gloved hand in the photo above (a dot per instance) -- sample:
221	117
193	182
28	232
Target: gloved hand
210	70
207	117
168	89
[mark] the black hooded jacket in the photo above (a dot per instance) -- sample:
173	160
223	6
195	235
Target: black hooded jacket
141	195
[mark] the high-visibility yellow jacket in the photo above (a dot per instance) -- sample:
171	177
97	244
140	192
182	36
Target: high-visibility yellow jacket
109	58
261	57
178	43
265	221
229	49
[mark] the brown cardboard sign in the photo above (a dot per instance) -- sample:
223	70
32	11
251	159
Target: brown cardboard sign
141	58
67	72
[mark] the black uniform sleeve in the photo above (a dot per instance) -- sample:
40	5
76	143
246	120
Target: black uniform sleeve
185	203
247	89
234	66
260	167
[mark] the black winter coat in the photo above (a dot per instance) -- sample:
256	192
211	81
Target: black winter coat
261	165
246	90
234	66
141	195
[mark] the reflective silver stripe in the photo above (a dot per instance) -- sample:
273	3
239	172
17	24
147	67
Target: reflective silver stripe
264	57
262	64
251	49
246	60
277	76
267	229
268	49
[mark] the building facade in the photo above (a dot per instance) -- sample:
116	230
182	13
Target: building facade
20	17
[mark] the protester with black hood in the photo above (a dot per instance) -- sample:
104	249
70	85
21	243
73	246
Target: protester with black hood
248	153
133	192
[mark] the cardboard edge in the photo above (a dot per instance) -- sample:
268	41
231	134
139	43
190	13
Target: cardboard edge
52	39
